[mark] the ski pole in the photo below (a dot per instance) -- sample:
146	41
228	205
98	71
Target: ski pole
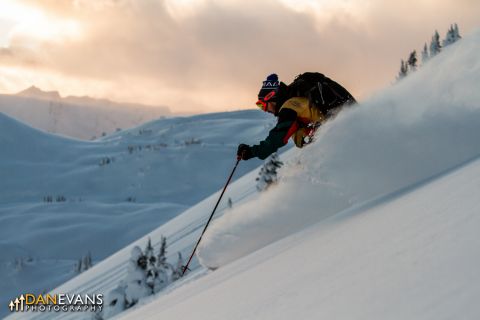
185	268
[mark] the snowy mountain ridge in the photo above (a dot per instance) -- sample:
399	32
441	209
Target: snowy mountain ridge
78	117
35	92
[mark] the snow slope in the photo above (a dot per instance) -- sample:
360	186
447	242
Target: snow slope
155	172
77	117
408	255
376	219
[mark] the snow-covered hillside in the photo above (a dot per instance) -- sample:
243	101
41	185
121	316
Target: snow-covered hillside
78	117
62	198
377	219
408	255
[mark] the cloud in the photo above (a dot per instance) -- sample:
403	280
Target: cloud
215	56
5	52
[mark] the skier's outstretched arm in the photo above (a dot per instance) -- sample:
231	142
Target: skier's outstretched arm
277	137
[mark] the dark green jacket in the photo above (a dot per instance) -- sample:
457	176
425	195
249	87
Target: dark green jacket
278	136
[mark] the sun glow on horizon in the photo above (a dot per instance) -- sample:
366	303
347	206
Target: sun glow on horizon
32	24
208	54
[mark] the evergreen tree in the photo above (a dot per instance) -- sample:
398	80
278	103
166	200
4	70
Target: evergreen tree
450	37
178	269
435	46
149	254
78	266
114	303
456	33
87	261
84	263
165	270
453	35
412	60
136	284
147	274
19	264
151	271
268	173
162	254
403	70
425	56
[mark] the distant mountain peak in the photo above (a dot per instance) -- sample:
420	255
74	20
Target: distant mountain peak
35	92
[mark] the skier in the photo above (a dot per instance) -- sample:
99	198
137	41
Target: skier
300	107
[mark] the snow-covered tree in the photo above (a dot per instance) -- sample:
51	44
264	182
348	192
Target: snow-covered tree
164	269
133	287
87	261
147	274
268	173
114	303
178	268
136	280
162	253
425	55
78	266
456	33
151	271
19	264
428	52
449	38
452	36
403	70
84	263
412	61
435	46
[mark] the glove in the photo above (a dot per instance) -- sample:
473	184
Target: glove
244	152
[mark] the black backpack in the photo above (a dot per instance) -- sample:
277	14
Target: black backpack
322	92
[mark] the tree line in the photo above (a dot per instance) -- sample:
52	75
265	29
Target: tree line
430	51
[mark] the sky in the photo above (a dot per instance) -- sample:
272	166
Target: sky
212	55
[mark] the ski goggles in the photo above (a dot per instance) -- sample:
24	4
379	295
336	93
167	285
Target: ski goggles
262	103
